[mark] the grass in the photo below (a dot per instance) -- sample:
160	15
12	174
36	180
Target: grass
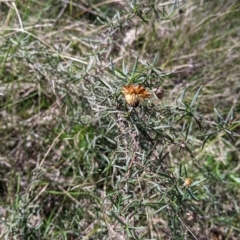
77	162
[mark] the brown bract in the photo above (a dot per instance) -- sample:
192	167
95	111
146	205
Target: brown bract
134	94
159	92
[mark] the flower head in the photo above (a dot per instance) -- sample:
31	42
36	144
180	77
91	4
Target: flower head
187	182
134	94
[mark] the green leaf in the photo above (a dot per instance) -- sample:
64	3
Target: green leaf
120	74
124	68
155	59
235	179
198	182
112	67
161	208
218	114
230	115
106	84
118	218
196	96
134	67
89	66
182	95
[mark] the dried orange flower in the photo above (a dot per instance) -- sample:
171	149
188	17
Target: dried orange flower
187	182
134	94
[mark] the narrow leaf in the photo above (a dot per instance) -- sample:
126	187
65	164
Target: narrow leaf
134	67
124	69
160	209
196	96
219	115
230	115
182	96
155	59
112	67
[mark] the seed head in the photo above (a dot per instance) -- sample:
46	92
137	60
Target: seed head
187	182
134	94
159	92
